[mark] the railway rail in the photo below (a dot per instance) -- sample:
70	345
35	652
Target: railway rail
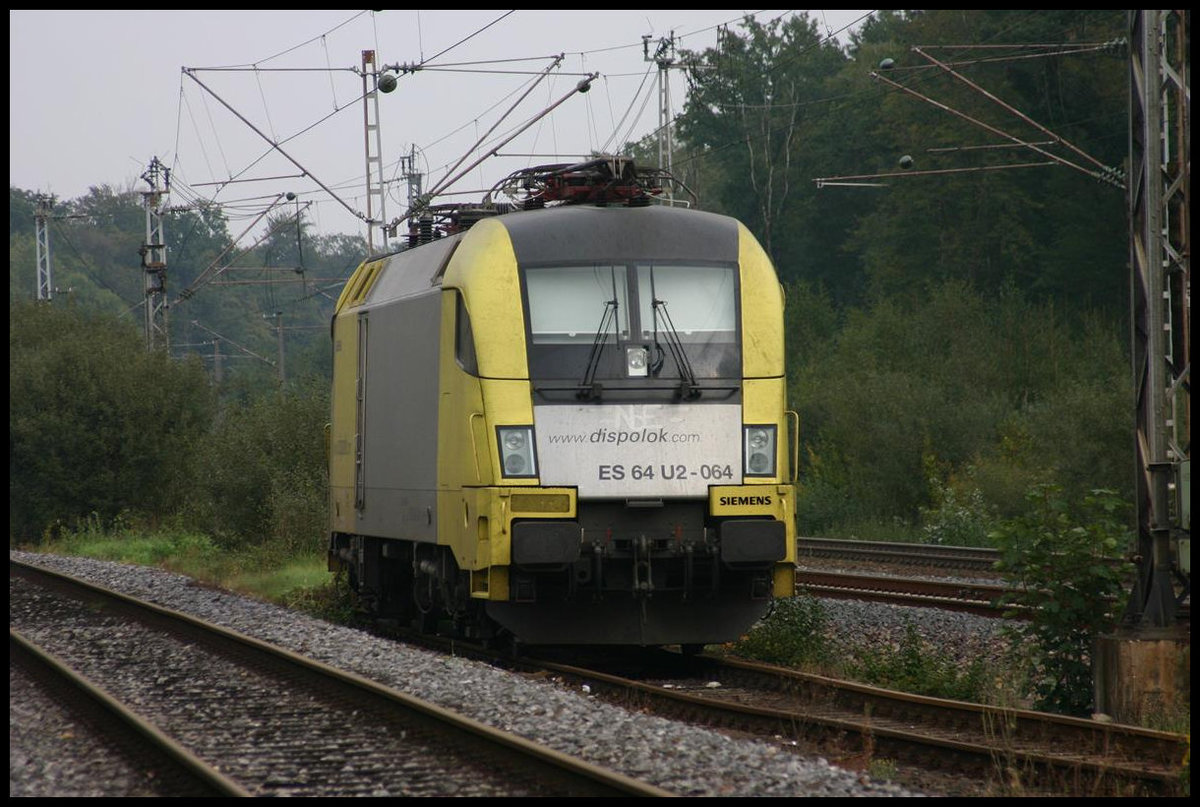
953	557
1006	749
975	598
174	770
1043	752
277	723
971	596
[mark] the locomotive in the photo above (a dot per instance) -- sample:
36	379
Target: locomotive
563	421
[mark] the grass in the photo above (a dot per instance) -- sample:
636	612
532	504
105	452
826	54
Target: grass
797	634
266	571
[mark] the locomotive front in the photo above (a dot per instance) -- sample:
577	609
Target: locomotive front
641	447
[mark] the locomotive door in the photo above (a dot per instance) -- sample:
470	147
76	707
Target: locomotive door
360	413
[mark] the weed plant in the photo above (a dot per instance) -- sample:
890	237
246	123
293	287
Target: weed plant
793	634
1060	560
915	665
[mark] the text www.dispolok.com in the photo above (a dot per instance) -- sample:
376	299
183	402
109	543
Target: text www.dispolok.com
622	436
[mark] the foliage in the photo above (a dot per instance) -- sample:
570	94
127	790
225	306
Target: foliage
94	247
747	111
915	665
261	475
271	571
775	107
956	518
1003	391
97	425
792	634
796	634
331	600
956	523
1061	559
126	541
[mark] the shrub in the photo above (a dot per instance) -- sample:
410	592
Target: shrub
916	666
262	474
959	516
1063	562
792	634
98	425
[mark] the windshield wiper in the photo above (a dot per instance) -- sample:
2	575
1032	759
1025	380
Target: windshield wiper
687	385
589	388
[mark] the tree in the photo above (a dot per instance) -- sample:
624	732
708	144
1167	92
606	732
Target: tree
748	110
97	425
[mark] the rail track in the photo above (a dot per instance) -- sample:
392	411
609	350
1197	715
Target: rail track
975	598
947	557
273	721
879	585
1004	750
853	723
171	770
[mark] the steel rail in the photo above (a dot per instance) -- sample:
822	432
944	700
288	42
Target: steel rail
593	779
961	557
975	598
1063	754
20	646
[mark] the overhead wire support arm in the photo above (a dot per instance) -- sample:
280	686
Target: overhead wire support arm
190	73
1106	171
1060	160
583	86
824	181
440	185
235	344
204	277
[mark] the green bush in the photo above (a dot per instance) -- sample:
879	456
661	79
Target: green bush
793	634
919	667
98	425
1062	561
959	517
1006	392
262	475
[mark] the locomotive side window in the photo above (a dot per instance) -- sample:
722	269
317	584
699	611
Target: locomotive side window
464	339
568	304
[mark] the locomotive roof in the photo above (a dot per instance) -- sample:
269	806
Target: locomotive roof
569	234
585	232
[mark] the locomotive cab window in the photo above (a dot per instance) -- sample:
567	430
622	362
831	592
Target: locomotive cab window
635	322
568	304
697	302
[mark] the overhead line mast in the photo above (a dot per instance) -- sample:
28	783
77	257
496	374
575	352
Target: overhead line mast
154	256
1141	668
41	216
664	57
374	148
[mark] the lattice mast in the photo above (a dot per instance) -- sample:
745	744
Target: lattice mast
1160	299
154	255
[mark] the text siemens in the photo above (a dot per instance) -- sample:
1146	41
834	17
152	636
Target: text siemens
744	501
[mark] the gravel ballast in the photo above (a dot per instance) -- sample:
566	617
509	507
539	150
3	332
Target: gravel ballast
685	760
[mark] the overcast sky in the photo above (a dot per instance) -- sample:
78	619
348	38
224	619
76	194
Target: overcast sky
95	95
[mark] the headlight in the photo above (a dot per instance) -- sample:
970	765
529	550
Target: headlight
758	450
517	456
635	362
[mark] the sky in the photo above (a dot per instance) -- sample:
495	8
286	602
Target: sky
242	106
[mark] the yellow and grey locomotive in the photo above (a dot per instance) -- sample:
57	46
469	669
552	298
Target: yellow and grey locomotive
566	424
